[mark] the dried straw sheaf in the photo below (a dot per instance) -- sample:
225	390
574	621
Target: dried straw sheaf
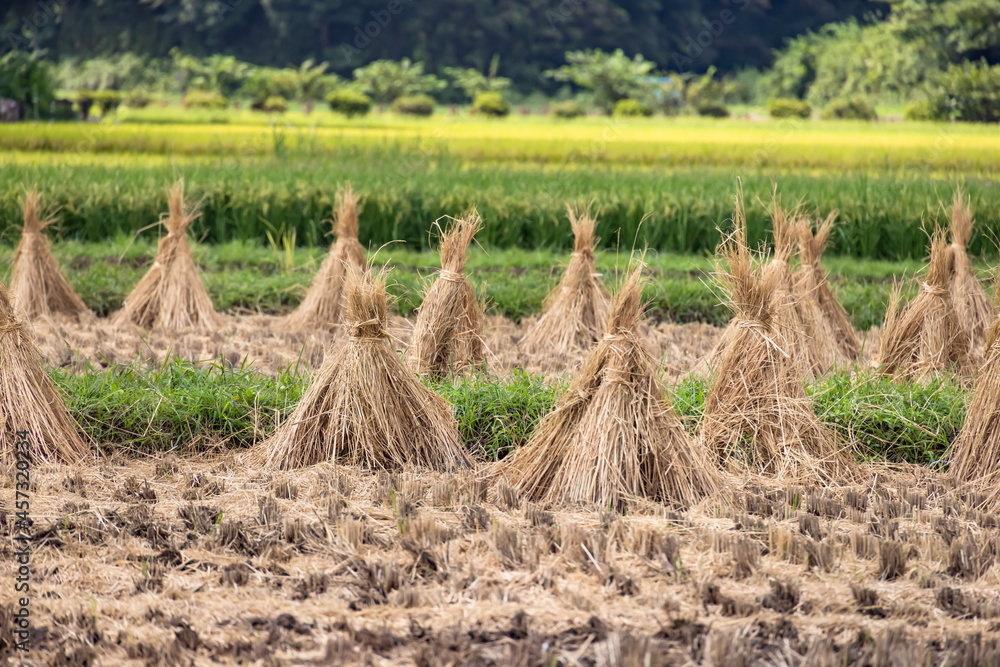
448	333
365	407
171	294
975	454
975	309
757	413
794	318
323	305
926	337
833	326
614	434
30	405
577	311
36	282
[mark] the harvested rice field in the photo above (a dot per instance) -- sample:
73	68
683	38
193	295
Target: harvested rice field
742	431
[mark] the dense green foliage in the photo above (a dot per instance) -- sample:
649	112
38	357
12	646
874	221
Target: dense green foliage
882	216
351	103
855	108
182	407
530	36
414	105
783	107
490	104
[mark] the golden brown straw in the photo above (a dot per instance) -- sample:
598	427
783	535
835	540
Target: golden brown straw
323	305
926	337
974	308
36	282
171	294
576	312
364	406
614	434
811	286
448	333
29	401
757	413
975	454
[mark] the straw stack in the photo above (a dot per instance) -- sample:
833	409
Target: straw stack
323	306
576	312
171	294
757	414
31	408
811	285
36	283
614	434
448	333
974	308
926	337
365	407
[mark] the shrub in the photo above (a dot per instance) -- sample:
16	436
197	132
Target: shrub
490	104
713	110
103	100
414	105
274	104
632	108
138	99
567	109
789	108
855	108
351	103
925	110
204	99
970	92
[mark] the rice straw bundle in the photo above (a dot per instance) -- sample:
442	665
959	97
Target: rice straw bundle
365	407
448	333
576	312
614	434
833	326
926	337
757	413
975	310
975	454
36	283
29	401
322	307
171	293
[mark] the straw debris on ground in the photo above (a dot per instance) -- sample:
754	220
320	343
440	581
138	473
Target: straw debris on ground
31	409
757	414
365	407
448	333
171	294
926	337
37	284
976	311
324	304
614	435
576	312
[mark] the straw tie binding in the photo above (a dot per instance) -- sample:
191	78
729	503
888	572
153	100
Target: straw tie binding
935	290
10	327
754	325
357	338
452	276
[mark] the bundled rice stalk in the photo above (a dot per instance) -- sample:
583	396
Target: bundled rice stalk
448	333
791	316
975	454
30	405
171	294
323	305
614	434
834	327
926	337
365	407
36	282
975	309
576	312
757	414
